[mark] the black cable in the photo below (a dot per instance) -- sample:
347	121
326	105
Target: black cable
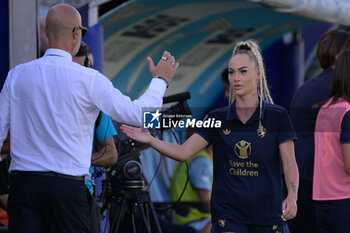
155	173
158	166
173	132
104	150
182	193
183	190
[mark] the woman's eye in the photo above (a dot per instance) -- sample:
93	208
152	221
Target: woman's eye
243	71
230	72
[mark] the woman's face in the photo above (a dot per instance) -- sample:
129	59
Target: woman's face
243	75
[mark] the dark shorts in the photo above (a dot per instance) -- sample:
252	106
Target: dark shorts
230	226
333	216
48	205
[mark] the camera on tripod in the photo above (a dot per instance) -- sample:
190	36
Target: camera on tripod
125	184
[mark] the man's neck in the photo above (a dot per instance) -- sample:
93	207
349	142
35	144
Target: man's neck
62	46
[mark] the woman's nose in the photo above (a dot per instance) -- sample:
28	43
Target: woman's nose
236	78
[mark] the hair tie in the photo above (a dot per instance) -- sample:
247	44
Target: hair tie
243	47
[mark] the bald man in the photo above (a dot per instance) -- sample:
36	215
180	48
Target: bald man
51	104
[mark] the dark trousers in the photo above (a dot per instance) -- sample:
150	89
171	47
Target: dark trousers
333	216
48	205
305	221
4	177
94	215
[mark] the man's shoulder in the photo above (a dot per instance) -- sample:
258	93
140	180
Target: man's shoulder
313	91
80	72
80	68
22	66
26	64
65	65
309	86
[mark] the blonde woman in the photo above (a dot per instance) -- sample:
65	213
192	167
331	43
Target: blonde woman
255	135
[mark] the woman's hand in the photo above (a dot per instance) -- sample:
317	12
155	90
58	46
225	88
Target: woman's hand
138	134
289	207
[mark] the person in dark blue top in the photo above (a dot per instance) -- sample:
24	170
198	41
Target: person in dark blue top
254	137
303	115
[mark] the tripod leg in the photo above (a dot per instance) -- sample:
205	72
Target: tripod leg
118	215
133	222
147	213
143	213
154	215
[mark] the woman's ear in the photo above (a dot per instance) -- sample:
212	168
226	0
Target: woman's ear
258	73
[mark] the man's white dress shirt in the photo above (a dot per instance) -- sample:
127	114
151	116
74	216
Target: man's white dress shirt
51	105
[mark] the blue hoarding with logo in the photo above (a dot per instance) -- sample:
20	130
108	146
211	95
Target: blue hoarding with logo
200	34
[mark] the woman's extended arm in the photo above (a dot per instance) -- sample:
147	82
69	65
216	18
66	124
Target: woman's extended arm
291	175
178	152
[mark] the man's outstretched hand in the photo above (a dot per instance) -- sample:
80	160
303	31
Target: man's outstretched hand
165	68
